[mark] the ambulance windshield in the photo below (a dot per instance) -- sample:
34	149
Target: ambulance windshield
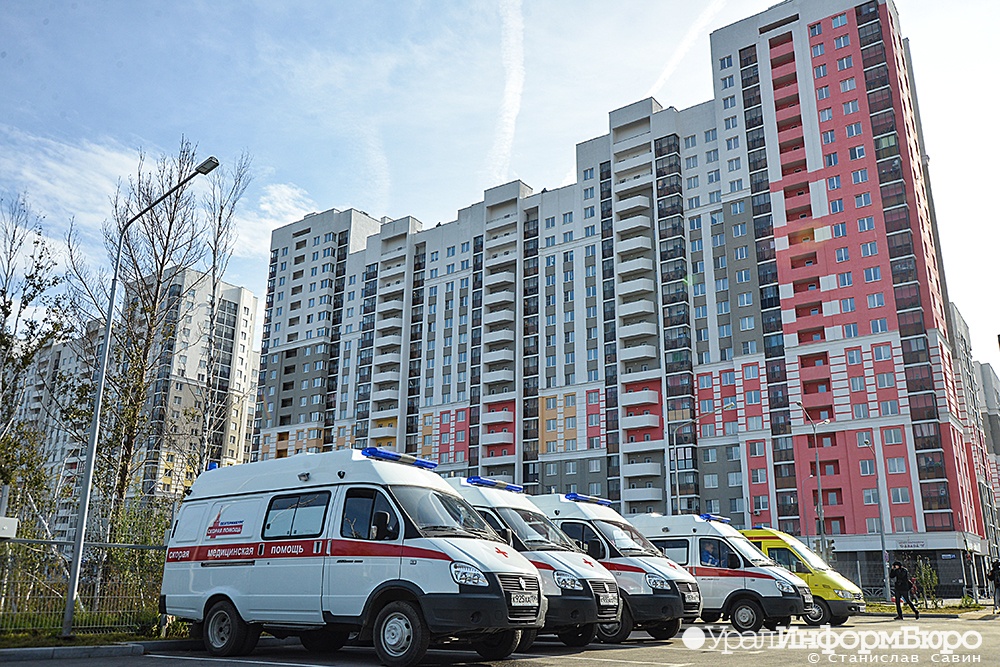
626	538
535	530
436	513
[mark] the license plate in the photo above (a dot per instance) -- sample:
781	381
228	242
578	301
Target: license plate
607	600
692	597
808	600
524	599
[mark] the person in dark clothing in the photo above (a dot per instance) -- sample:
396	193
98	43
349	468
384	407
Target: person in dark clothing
994	577
901	586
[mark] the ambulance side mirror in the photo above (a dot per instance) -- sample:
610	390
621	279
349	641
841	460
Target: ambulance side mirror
380	525
734	562
507	535
595	549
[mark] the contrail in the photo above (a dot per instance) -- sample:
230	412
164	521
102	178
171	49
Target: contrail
694	32
512	55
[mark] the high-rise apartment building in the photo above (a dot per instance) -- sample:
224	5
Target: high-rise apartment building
728	294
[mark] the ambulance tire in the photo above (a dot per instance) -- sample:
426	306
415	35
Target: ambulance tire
400	635
253	636
528	638
616	633
324	641
498	645
746	616
819	614
771	624
838	620
710	616
665	630
225	633
579	636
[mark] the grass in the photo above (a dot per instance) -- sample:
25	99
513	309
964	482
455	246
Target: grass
883	608
38	639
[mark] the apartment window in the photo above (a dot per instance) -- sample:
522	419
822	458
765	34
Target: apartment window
727	82
857	383
819	71
851	107
847	305
845	63
899	495
692	182
841	42
867	467
833	183
862	200
866	224
711	481
895	465
829	136
567	218
840	20
725	330
873	274
815	29
550	222
847	85
851	330
892	436
869	249
740	230
709	455
721	284
752	397
690	141
568	236
837	206
735	479
889	408
840	229
845	279
857	152
746	323
729	102
842	254
588	174
825	115
870	497
876	300
732	143
742	252
853	357
726	62
854	130
736	208
822	92
818	50
731	123
859	176
710	135
718	240
860	411
743	276
879	326
691	162
882	352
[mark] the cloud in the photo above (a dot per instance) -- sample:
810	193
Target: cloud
512	56
278	205
692	35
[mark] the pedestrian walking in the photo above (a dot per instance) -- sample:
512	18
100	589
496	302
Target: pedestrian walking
994	577
901	587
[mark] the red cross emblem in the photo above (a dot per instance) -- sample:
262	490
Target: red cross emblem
501	552
587	562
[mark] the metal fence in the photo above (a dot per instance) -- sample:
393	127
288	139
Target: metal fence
119	587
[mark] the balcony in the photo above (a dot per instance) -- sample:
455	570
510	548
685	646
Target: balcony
493	464
383	432
637	373
634	182
498	336
634	161
493	243
789	113
386	376
638	286
395	287
642	397
499	417
385	413
502	296
500	278
640	446
640	421
640	330
637	352
783	50
501	438
499	477
388	358
782	71
390	306
643	495
499	316
635	308
633	245
642	470
385	395
494	377
633	266
502	221
501	258
390	323
633	204
398	252
389	340
392	270
497	356
635	223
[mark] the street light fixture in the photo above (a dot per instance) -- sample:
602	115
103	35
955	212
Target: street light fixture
819	478
672	457
881	526
95	425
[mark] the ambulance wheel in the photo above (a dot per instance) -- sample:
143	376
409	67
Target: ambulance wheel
838	620
225	633
324	641
771	624
785	621
616	633
400	635
665	630
710	616
746	616
253	636
528	638
579	636
819	614
498	645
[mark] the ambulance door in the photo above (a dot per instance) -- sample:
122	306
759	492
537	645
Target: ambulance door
359	558
715	576
286	585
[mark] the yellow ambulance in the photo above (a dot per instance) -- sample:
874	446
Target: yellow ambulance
835	597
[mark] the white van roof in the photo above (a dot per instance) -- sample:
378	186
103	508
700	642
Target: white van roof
304	471
483	496
561	506
658	525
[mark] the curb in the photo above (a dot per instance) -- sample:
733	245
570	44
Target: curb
881	614
64	652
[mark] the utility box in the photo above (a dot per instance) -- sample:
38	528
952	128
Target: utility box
8	528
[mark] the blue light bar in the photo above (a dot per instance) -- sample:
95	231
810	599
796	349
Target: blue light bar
714	517
384	455
495	484
583	498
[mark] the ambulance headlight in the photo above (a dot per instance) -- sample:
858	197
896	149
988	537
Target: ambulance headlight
845	595
655	581
784	586
468	575
567	581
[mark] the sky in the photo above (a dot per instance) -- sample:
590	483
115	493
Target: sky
414	108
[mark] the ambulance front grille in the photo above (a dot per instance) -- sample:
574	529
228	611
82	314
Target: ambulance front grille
599	586
516	583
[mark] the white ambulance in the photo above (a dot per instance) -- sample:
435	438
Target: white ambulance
581	592
656	592
737	580
324	545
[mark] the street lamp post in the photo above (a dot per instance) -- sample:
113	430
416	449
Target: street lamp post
95	424
819	479
672	457
884	557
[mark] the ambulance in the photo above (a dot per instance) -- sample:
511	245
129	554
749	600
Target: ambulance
656	592
321	546
737	580
581	592
835	597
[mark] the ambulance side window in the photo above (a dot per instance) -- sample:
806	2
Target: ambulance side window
298	515
714	552
493	522
360	507
786	559
580	533
675	550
